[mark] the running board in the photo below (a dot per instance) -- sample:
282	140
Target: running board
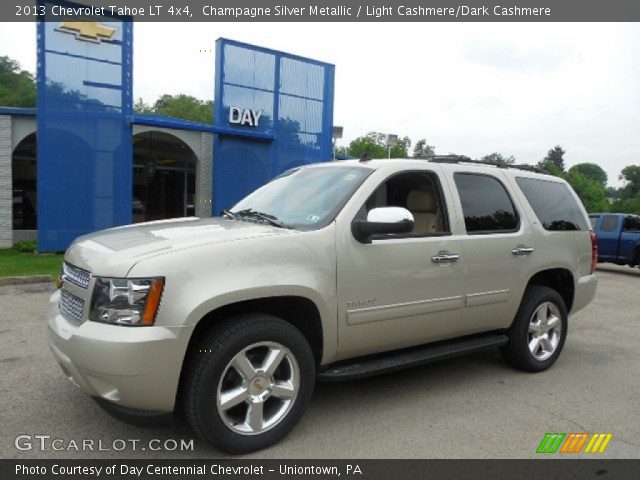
369	366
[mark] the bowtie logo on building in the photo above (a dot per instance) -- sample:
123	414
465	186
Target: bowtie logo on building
88	31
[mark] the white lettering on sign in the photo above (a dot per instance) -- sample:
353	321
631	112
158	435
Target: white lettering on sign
244	116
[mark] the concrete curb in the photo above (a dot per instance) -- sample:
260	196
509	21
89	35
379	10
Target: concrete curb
25	280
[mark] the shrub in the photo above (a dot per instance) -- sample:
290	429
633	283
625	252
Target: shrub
26	247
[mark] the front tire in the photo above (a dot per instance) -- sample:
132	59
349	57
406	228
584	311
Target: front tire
538	332
248	382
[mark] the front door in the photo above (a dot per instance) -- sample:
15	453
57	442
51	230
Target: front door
398	291
608	238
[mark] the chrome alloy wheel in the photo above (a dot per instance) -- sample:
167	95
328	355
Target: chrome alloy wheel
258	388
545	331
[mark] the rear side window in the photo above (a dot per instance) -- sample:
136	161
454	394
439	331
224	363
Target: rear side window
593	220
609	223
632	224
553	203
486	204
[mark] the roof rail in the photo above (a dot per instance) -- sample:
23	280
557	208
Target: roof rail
465	159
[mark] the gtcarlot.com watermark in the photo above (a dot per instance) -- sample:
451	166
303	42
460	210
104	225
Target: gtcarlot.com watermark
47	443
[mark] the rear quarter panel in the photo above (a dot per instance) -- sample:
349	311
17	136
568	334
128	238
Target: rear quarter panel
570	250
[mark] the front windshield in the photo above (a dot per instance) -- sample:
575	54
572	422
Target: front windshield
304	198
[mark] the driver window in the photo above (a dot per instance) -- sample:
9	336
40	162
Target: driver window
419	193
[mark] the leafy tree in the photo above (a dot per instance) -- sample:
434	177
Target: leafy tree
178	106
401	148
554	158
498	159
422	150
17	87
592	171
140	106
367	145
374	145
612	192
590	191
551	168
627	205
631	177
590	185
185	107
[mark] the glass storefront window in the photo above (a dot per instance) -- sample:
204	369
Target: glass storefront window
163	177
23	167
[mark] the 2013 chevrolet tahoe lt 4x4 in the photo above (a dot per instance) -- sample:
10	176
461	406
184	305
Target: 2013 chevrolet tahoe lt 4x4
334	271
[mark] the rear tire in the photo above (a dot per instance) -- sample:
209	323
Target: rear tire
538	332
248	382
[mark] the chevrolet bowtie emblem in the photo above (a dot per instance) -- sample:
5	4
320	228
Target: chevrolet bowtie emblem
87	31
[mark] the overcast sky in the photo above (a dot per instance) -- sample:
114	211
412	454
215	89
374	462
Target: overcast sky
474	88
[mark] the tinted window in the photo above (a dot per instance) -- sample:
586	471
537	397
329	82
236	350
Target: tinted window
609	223
553	203
485	203
632	224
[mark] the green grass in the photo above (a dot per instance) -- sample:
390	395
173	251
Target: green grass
17	264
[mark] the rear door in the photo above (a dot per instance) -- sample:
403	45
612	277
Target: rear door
630	239
494	248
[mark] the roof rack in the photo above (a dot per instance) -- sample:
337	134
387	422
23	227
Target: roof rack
465	159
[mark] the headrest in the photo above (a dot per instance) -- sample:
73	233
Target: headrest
422	201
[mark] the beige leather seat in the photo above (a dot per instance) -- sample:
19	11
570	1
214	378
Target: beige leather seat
424	207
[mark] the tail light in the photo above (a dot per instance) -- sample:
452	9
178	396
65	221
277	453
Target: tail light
594	251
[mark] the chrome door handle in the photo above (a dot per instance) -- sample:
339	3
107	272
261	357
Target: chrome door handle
445	258
522	251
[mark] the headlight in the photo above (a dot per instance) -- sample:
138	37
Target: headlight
126	301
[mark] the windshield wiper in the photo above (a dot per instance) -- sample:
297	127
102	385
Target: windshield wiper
265	217
228	214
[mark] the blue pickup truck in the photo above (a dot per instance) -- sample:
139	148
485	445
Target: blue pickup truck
618	237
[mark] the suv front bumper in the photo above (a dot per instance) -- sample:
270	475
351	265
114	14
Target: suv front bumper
135	367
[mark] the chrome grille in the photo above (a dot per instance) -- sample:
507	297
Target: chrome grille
75	275
71	306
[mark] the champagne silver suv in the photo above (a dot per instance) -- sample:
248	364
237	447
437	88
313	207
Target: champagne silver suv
332	271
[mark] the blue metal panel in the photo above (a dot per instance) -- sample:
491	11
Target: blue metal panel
84	138
294	95
29	112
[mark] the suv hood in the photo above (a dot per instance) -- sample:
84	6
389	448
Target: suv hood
116	250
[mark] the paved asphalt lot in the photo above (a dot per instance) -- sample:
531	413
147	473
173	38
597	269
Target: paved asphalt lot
464	408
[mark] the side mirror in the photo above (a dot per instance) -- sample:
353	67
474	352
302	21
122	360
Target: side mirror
384	220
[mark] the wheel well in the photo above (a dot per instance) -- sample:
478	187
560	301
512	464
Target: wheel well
560	280
300	312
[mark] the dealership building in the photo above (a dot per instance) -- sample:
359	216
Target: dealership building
171	171
82	160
